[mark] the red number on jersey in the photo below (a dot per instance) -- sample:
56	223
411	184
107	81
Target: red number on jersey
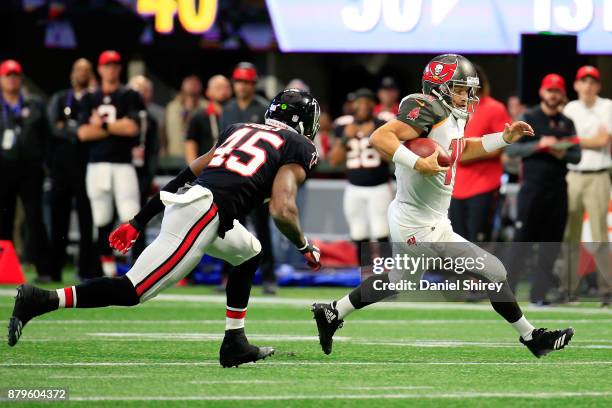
456	150
224	156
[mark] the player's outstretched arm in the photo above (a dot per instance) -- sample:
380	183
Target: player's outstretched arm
476	148
285	213
126	234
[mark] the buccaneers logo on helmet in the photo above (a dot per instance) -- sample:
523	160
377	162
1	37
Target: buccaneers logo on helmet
439	72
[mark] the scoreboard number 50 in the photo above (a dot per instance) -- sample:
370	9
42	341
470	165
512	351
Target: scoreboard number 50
195	17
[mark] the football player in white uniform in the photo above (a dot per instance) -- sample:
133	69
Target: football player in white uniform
419	213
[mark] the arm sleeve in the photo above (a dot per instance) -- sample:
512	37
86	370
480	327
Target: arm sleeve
419	113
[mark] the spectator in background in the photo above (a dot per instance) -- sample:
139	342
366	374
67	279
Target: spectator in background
297	83
246	106
25	134
323	138
516	108
542	199
203	130
110	123
68	167
368	193
388	95
588	181
477	182
178	114
145	156
347	111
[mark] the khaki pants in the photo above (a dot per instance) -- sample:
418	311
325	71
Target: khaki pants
588	192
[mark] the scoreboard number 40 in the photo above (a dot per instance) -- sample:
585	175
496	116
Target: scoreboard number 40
195	16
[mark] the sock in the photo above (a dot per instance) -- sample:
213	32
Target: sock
362	246
234	318
505	304
365	294
524	328
99	292
238	291
344	307
67	297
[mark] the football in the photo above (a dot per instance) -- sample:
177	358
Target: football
425	147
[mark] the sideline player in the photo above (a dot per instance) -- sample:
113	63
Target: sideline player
368	192
109	123
253	162
419	213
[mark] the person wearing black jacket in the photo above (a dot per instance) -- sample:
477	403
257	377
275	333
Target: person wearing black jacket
68	166
24	134
542	199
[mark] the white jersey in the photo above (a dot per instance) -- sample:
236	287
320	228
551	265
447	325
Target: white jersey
424	200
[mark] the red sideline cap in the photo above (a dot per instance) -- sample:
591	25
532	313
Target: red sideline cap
245	71
109	57
10	67
553	81
588	70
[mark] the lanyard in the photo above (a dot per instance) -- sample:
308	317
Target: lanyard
16	110
68	103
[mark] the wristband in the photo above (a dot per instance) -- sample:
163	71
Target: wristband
494	141
405	157
305	247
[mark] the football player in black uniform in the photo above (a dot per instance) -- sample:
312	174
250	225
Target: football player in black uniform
109	123
251	163
369	191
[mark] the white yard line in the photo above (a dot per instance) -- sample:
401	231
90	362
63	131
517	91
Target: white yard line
205	382
433	395
297	302
309	322
271	362
86	376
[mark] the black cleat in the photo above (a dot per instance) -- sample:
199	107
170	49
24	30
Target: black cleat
29	303
544	341
236	350
328	322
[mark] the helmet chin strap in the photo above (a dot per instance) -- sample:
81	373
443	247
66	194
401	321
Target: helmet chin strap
458	113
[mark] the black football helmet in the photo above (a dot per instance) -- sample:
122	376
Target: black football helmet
443	73
297	109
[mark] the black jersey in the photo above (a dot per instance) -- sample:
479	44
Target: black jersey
124	102
364	166
242	170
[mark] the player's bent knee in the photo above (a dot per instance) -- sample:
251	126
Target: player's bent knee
494	271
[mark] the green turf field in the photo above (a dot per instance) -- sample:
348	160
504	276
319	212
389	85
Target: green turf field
164	353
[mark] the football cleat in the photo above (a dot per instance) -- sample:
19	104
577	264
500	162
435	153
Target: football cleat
236	350
29	303
326	316
544	341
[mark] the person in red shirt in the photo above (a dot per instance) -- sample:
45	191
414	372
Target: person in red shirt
477	181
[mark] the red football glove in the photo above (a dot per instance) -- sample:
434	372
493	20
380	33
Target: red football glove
312	254
123	237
